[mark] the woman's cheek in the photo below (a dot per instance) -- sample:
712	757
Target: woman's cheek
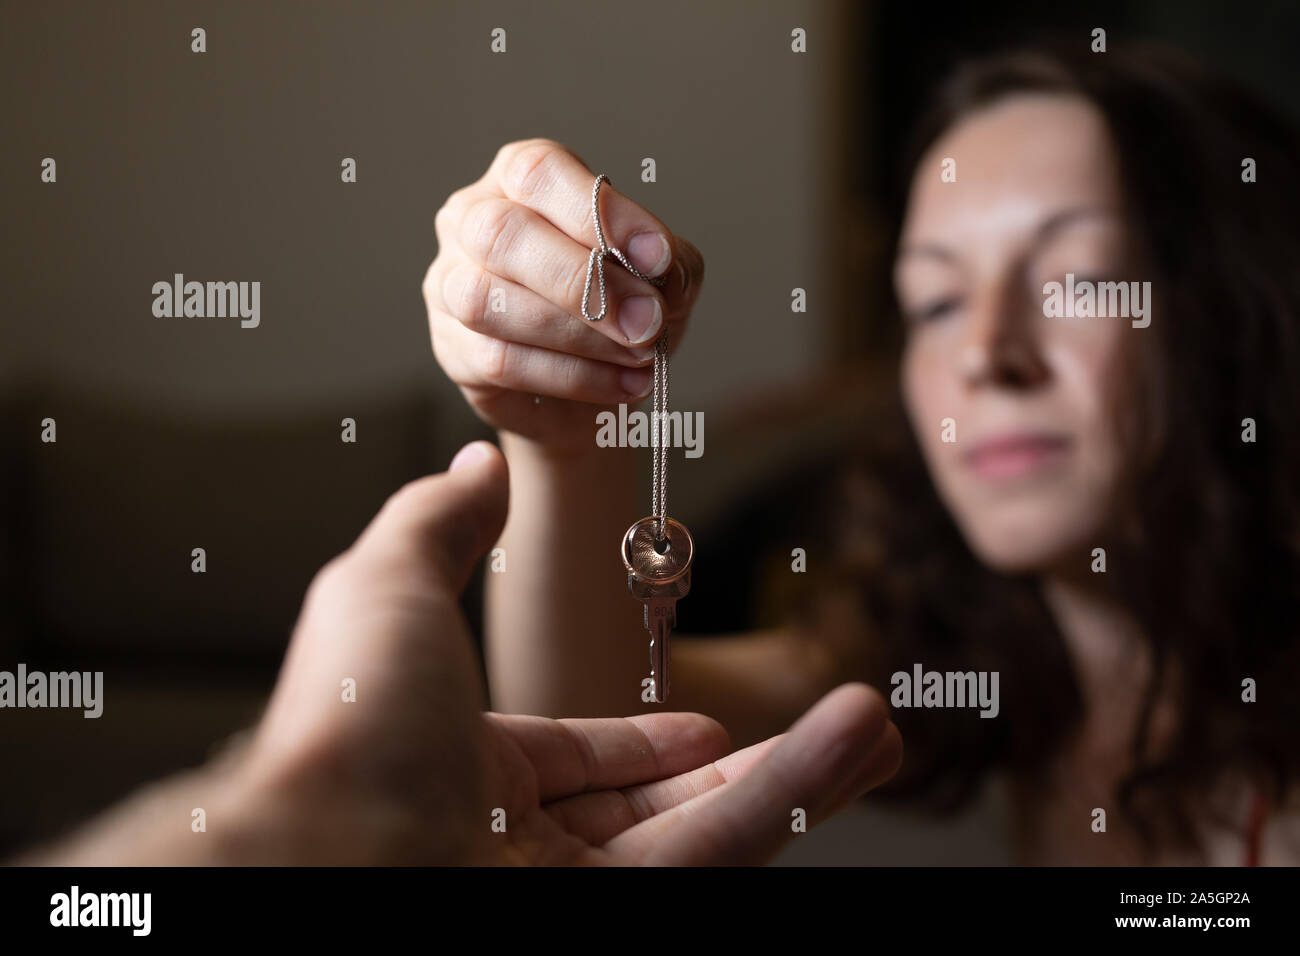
925	383
1087	383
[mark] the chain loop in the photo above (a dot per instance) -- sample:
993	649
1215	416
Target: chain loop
596	261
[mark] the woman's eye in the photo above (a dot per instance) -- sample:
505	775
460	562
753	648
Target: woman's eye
934	310
1078	277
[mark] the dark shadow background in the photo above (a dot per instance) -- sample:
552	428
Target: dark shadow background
175	434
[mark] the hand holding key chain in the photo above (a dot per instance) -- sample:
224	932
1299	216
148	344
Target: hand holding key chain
656	551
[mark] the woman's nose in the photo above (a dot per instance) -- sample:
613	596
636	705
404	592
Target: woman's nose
1002	342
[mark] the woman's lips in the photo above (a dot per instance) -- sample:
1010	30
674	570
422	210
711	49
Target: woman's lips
1015	454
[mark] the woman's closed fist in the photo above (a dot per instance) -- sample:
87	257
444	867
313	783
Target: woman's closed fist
505	295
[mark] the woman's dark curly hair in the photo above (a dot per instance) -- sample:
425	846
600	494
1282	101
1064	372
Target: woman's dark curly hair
1205	545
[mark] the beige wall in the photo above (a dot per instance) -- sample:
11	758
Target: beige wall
225	166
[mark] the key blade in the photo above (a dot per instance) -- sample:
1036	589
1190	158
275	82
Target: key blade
660	616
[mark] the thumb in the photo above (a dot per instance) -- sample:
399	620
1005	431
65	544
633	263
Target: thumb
444	523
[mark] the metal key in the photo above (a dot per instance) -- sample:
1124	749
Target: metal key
657	551
658	575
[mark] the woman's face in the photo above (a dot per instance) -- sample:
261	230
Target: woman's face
1012	407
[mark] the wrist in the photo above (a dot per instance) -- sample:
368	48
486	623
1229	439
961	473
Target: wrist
517	447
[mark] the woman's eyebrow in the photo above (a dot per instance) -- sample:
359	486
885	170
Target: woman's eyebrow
1063	218
929	250
1052	224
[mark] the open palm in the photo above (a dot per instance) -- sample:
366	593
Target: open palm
664	788
411	769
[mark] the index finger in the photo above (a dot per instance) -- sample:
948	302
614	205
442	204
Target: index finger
579	755
549	179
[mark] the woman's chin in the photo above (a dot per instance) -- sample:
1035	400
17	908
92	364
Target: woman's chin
1028	547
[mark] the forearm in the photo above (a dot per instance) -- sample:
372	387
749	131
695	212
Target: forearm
563	635
157	825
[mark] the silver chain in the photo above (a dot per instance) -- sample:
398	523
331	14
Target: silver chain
659	420
659	416
596	260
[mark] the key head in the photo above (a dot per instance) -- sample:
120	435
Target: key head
658	562
658	573
644	589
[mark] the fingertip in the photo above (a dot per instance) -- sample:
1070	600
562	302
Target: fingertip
882	763
650	252
450	517
848	723
893	739
473	454
865	705
706	728
482	461
688	264
700	731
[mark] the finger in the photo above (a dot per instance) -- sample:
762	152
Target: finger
384	614
685	280
575	755
879	766
510	240
548	178
442	524
505	310
599	816
831	752
472	359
